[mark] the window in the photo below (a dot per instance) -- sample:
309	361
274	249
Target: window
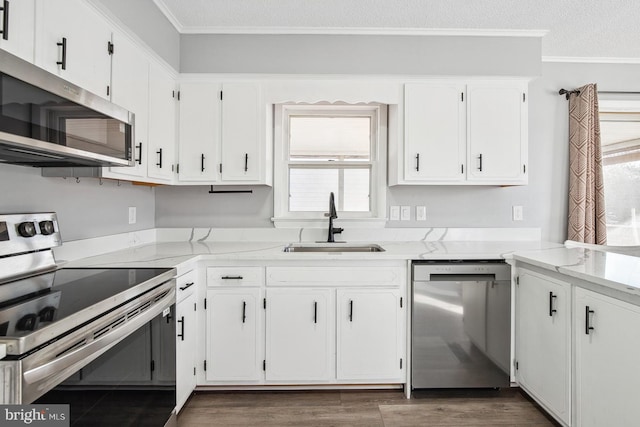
322	149
620	138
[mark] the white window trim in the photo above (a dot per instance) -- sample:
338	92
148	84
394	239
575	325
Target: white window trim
377	216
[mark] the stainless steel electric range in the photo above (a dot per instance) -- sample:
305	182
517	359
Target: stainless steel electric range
80	336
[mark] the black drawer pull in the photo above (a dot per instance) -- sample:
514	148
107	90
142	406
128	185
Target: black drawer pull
551	309
5	20
587	320
246	162
350	310
186	286
159	153
315	312
244	311
231	277
202	162
139	159
63	44
418	162
181	334
480	158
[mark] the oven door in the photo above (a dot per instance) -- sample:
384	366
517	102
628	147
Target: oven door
132	384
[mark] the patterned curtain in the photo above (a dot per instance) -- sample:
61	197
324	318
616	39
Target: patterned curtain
587	221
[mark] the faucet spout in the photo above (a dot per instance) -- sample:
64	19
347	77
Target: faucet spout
333	214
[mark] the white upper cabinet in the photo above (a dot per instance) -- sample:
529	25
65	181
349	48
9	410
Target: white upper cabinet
497	133
162	124
72	41
223	134
462	133
130	90
199	132
435	146
17	27
243	142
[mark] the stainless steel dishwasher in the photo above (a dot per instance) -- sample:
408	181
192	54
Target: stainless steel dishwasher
461	324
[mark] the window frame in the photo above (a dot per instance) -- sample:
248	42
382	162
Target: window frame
377	164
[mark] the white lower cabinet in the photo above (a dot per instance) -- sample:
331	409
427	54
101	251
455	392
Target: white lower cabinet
543	341
369	344
299	335
186	335
606	367
235	334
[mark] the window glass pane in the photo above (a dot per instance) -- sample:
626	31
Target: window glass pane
309	189
621	158
329	138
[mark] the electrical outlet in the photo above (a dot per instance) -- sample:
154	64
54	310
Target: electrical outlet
132	214
405	213
518	213
394	213
421	213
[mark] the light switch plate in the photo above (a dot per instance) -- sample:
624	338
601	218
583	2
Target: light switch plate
421	213
132	214
394	213
405	213
518	213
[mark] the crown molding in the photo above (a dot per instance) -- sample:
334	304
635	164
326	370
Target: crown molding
169	15
591	60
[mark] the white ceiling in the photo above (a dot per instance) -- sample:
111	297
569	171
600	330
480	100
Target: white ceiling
570	28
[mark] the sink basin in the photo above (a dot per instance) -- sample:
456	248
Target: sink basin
332	247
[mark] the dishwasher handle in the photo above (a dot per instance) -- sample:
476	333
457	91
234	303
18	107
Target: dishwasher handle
461	277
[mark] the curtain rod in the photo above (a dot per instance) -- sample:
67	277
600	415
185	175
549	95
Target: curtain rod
568	93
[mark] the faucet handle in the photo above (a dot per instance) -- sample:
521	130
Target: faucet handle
337	230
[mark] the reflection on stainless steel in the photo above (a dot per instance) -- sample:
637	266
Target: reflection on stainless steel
338	247
461	325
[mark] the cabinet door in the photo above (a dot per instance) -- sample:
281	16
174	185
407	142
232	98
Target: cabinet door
496	132
18	28
299	335
130	90
186	333
234	334
162	126
606	368
243	139
543	341
199	132
434	126
370	335
84	58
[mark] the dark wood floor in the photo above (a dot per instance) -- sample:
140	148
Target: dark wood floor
362	408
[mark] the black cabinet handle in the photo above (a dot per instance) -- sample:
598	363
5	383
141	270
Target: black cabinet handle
63	44
480	158
181	334
231	277
202	162
587	320
244	311
246	162
315	312
186	286
350	310
551	309
139	148
159	153
5	20
418	162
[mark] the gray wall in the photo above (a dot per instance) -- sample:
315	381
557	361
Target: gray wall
85	209
145	19
360	54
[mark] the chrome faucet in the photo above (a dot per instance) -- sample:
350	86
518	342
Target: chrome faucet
332	215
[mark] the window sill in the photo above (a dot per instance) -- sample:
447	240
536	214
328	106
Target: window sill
322	223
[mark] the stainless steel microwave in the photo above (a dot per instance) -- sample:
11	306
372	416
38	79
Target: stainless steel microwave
46	121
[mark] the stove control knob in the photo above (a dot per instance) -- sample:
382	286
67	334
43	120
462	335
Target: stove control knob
46	227
27	322
47	314
27	229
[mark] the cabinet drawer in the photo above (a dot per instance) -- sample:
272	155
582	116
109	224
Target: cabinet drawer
235	276
185	285
334	276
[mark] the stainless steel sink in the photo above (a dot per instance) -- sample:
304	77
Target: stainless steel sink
332	247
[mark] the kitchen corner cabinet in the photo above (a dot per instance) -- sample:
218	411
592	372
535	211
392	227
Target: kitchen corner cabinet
186	331
497	133
435	139
460	132
222	138
162	124
543	341
72	41
606	364
17	27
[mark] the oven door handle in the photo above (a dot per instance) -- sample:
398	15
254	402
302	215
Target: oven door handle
48	375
